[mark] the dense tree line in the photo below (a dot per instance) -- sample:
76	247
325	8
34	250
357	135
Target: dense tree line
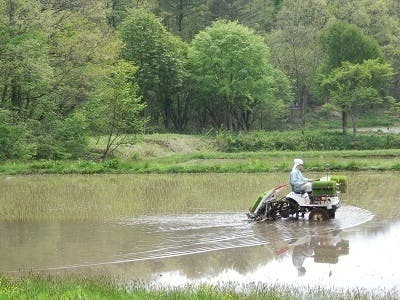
70	69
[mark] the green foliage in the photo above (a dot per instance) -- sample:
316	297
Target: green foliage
111	164
358	87
229	64
15	138
343	42
307	141
72	135
212	162
353	72
25	71
259	15
183	18
116	110
121	104
117	10
294	45
58	138
80	48
159	58
55	57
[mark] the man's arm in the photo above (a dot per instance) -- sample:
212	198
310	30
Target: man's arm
296	178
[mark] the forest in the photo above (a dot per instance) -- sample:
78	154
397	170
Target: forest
70	70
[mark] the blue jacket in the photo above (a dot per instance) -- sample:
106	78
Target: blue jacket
297	179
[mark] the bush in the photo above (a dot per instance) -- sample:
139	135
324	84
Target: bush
72	136
14	138
113	164
309	140
60	139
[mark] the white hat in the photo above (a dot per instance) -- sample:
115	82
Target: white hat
297	162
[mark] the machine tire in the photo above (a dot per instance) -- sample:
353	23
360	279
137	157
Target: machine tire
288	207
332	213
294	207
318	214
284	209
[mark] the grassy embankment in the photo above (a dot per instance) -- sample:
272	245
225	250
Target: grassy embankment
169	153
35	287
179	153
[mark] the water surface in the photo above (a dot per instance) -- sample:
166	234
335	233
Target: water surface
196	231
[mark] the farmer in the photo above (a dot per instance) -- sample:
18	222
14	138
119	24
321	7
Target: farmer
298	182
299	254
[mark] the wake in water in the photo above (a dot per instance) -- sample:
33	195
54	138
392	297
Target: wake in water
168	236
155	238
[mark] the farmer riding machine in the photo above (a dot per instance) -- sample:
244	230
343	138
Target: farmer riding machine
321	203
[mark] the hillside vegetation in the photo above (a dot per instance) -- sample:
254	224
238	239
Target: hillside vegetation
173	153
72	70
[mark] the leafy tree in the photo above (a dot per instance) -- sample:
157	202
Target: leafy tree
378	19
225	9
56	136
48	51
117	110
118	10
182	108
182	17
374	17
158	56
257	14
229	64
72	135
359	87
25	70
15	138
343	42
80	44
295	48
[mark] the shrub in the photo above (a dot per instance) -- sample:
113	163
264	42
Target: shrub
111	164
307	141
15	138
72	136
60	139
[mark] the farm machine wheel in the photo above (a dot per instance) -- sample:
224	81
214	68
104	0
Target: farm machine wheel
318	214
331	213
288	207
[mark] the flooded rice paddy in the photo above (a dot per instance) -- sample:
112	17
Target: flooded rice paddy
173	230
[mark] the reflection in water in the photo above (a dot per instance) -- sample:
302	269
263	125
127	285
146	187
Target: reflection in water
184	249
177	245
323	249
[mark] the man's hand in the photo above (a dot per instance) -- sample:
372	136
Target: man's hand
311	180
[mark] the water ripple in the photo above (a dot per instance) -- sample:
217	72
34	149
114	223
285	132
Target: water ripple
161	237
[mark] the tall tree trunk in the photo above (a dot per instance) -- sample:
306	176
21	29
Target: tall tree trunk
167	111
11	12
230	117
304	97
179	17
354	117
15	94
4	95
344	121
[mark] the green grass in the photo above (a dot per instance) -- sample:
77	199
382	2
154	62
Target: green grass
37	287
220	162
250	152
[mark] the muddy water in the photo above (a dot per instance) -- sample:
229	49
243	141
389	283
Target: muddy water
357	249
